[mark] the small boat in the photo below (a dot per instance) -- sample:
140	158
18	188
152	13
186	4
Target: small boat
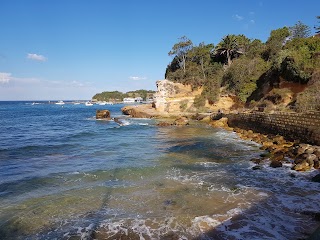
35	103
60	102
88	103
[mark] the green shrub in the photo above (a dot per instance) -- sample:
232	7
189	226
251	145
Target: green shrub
240	78
199	101
183	105
309	99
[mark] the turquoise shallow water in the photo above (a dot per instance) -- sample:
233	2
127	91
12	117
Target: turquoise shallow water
65	175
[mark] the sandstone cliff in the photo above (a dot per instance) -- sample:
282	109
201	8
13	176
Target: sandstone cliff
173	97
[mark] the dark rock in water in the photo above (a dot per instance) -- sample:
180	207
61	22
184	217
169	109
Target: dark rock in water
102	114
257	167
256	160
117	120
275	164
316	178
293	175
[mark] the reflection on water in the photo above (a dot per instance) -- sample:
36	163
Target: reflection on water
147	182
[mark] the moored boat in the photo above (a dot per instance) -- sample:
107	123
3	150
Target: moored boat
60	102
88	103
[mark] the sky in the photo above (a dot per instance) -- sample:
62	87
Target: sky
72	49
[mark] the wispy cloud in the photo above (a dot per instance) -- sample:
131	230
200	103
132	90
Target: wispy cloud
137	78
36	57
5	77
252	21
29	88
238	17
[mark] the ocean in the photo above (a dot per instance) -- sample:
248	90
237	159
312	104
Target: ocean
66	175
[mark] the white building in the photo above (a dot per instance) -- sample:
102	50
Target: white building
128	100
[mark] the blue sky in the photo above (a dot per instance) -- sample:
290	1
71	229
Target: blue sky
72	49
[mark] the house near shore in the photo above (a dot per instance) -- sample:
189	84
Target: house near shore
133	100
138	99
128	100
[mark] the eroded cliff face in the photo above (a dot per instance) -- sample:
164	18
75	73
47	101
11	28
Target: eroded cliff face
174	97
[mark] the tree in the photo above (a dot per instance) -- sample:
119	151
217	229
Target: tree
317	27
255	48
228	47
180	51
243	43
201	55
275	42
299	30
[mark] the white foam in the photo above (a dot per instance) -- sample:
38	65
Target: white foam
143	124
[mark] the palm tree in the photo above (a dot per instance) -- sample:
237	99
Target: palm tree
228	47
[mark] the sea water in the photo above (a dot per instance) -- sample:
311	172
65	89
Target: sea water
66	175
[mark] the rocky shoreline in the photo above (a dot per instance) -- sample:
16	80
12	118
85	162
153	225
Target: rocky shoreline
279	151
303	157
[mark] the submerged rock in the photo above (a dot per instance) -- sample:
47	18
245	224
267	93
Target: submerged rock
164	124
316	178
257	167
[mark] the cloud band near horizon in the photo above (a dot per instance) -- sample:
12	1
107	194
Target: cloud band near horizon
137	78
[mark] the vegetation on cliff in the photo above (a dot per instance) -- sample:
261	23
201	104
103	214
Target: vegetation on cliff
240	66
119	96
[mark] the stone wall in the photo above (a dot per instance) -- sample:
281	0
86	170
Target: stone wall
304	127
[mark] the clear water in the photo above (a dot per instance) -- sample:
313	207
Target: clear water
65	175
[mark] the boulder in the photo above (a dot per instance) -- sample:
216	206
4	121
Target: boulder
317	152
303	166
103	114
278	156
316	164
302	148
275	164
141	111
222	123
